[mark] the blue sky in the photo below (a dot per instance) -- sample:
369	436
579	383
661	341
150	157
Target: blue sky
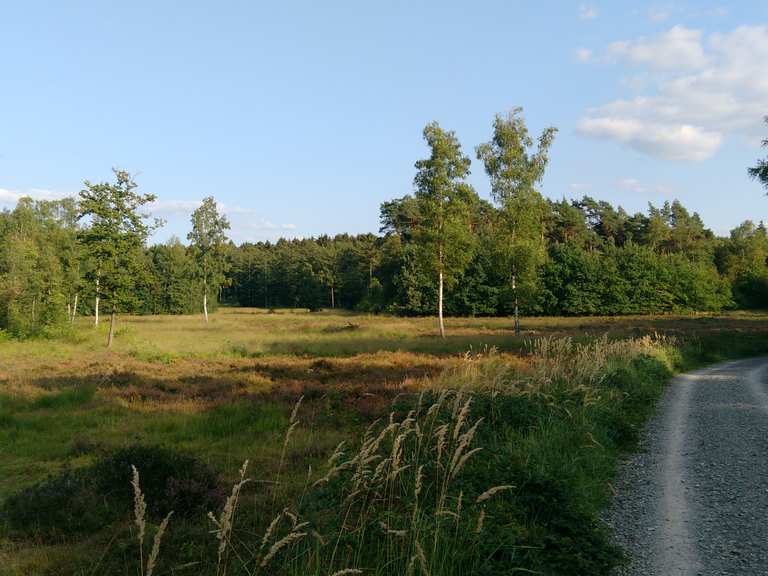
300	118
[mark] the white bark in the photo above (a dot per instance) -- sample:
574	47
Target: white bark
440	305
205	306
74	309
517	315
96	317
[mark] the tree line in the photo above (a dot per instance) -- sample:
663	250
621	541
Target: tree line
441	249
67	257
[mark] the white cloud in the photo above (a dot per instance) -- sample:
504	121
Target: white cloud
254	229
11	197
247	225
174	207
702	90
583	54
248	217
587	12
669	141
677	48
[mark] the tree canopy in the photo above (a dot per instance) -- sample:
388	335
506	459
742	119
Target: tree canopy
60	259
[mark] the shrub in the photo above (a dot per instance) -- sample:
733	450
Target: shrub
84	500
61	505
171	480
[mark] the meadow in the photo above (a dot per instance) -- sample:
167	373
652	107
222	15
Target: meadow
373	445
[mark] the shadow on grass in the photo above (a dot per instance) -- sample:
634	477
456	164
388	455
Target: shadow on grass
433	345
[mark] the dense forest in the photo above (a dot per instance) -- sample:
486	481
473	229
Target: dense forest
60	259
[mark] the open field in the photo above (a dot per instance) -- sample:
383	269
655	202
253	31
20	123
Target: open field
225	392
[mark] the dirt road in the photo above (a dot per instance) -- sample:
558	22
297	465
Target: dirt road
694	501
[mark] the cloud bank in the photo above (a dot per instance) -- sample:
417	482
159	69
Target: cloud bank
703	89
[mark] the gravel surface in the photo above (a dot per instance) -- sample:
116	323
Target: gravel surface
694	500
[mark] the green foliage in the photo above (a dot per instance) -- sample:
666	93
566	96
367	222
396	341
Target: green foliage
514	172
760	170
208	238
173	285
571	257
39	271
114	237
628	280
443	199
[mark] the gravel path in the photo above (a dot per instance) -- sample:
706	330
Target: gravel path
694	500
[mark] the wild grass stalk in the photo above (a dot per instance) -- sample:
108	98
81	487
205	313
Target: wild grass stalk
225	522
398	500
140	520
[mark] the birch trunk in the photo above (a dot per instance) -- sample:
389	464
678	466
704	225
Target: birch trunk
517	315
205	306
333	300
96	317
440	305
74	309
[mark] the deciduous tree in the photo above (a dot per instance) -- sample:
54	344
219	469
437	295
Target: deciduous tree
114	236
442	234
515	170
760	170
208	237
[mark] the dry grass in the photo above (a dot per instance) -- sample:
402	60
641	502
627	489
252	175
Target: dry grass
226	391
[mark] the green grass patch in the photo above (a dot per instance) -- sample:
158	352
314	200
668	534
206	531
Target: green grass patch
223	393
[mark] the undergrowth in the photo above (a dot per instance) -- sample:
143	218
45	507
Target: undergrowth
492	468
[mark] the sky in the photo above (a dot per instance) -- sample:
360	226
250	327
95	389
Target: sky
300	118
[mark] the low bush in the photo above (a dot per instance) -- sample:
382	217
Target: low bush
171	480
80	501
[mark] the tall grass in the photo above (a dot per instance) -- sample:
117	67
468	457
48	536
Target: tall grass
500	464
431	488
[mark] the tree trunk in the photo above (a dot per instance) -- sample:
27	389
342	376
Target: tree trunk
112	320
205	306
440	305
96	317
333	300
74	309
517	315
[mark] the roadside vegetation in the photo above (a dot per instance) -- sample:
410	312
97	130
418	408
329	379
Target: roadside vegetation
402	452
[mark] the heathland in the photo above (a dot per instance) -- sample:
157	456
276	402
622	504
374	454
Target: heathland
373	445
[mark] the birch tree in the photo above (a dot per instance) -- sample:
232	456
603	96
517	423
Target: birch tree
515	169
115	236
443	236
208	237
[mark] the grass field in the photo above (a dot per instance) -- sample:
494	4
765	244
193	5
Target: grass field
224	392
